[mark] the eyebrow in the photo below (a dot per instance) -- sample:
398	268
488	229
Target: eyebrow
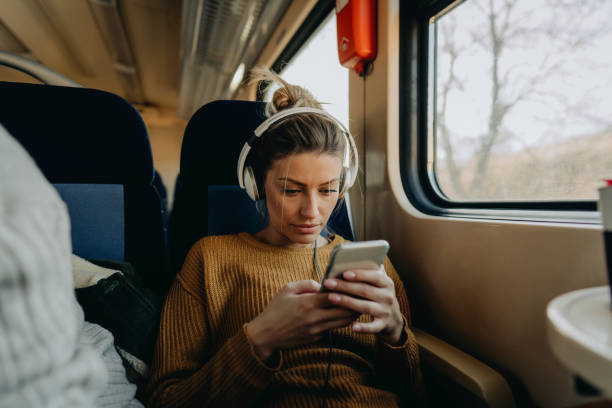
287	179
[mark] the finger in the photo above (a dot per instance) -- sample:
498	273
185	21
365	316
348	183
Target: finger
316	317
375	277
303	286
358	289
384	296
362	306
332	324
338	313
315	301
319	300
373	327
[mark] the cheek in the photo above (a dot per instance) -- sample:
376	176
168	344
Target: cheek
273	201
328	206
278	206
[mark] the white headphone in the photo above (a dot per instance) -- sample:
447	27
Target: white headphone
246	177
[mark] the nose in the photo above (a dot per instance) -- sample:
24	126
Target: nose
310	206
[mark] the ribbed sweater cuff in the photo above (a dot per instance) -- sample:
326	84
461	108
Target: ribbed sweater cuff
275	362
408	352
405	335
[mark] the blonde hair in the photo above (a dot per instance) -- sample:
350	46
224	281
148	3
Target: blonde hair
286	96
304	132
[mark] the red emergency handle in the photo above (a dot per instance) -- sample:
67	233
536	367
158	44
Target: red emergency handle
356	27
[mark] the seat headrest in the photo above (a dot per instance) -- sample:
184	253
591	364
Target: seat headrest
207	199
213	140
78	135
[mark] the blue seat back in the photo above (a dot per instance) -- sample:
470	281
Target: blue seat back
207	198
94	148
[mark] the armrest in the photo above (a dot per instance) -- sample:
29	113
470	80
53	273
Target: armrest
465	371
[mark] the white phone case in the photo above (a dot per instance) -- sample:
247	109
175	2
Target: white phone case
356	255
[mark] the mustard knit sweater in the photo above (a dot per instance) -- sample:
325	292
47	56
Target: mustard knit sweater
204	358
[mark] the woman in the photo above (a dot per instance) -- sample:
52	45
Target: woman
245	322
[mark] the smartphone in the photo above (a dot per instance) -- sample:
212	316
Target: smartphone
355	255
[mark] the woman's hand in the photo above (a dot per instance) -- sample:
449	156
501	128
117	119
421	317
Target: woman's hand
370	292
297	315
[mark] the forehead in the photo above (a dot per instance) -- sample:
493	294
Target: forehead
307	168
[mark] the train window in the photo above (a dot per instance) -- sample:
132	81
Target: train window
315	67
519	101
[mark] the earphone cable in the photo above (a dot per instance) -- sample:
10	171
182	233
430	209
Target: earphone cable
329	334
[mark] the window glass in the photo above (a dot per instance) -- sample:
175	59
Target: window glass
316	68
521	99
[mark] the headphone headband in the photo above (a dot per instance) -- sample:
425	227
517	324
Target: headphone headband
292	111
265	125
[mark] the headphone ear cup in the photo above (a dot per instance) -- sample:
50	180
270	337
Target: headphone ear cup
342	182
350	175
350	166
250	184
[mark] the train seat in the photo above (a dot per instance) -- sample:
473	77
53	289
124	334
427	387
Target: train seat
94	148
207	199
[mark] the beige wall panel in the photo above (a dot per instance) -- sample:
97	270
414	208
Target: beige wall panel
482	285
62	35
246	93
288	26
356	125
12	75
10	43
166	135
73	21
30	24
156	43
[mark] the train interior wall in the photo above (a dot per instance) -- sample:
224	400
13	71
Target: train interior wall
481	284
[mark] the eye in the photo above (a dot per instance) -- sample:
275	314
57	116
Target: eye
328	191
290	191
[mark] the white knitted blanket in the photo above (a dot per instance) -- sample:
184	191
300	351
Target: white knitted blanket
49	357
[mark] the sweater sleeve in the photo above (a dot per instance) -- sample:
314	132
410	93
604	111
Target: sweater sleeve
399	364
185	372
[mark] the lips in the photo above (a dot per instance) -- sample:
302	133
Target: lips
306	228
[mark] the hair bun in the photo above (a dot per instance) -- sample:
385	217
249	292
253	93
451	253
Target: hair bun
287	95
282	99
290	96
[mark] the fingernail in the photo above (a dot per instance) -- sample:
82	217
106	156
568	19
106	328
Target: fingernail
334	298
349	275
331	283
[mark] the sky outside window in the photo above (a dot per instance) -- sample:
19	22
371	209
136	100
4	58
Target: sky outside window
523	99
316	68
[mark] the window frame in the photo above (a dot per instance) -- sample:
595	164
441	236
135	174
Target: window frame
417	149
